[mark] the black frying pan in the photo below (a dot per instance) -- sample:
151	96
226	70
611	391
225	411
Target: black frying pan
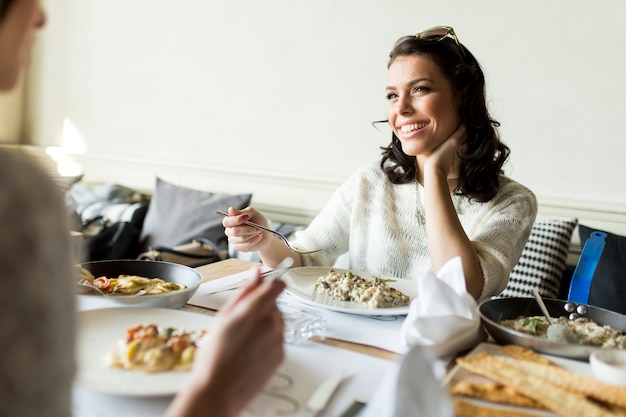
166	271
493	311
179	274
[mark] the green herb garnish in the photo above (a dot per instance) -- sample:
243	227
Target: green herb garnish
531	323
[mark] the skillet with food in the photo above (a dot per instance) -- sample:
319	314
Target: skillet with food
180	280
494	312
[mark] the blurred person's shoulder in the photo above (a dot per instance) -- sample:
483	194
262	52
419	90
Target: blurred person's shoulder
20	171
37	303
32	214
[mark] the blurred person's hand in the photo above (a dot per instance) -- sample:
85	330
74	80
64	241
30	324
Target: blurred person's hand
241	351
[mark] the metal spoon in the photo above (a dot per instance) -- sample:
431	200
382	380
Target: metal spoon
557	332
105	294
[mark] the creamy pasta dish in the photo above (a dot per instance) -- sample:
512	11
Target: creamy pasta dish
154	349
375	293
128	284
586	330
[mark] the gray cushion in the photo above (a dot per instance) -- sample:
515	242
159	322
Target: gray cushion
177	215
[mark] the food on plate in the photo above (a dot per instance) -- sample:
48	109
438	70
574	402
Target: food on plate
499	393
83	275
155	349
128	284
526	354
468	409
346	286
588	332
494	392
557	389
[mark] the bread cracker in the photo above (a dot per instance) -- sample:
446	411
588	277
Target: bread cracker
539	382
493	392
526	354
570	381
467	409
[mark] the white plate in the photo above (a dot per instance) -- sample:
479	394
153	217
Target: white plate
300	282
100	330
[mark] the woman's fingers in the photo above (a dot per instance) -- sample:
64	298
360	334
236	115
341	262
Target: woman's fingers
242	237
235	217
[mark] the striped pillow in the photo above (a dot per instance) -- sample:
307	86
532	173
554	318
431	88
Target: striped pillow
543	259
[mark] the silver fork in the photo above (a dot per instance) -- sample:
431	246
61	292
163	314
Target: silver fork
274	233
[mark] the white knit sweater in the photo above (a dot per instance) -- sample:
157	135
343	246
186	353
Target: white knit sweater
381	226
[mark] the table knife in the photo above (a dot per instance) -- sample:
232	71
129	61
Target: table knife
354	409
322	395
267	276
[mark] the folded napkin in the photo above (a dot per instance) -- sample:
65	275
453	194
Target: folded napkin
410	389
443	319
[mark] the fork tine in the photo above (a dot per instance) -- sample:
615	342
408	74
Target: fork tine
302	252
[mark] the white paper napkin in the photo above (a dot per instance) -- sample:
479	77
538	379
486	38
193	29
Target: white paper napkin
410	389
443	319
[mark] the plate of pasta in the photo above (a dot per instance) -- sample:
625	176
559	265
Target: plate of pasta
134	283
108	359
350	291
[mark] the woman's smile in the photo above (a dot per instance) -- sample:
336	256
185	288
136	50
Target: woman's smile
412	129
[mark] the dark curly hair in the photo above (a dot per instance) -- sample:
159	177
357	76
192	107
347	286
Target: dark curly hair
481	163
4	6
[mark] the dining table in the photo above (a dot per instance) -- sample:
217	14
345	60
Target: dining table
307	365
364	349
233	266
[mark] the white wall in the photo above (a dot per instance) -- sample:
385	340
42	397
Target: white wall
11	110
276	97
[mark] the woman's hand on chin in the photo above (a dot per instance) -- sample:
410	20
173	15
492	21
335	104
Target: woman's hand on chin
445	158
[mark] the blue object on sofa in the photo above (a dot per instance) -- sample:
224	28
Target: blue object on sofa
608	287
585	268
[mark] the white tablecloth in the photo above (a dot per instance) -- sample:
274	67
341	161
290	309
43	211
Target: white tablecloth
379	331
305	367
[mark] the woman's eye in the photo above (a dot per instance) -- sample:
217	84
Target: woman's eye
391	96
420	89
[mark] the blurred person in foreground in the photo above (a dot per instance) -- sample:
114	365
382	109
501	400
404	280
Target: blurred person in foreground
37	330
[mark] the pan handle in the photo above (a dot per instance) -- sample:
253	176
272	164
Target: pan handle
585	268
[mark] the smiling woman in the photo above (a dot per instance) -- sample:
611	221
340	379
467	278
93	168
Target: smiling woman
438	191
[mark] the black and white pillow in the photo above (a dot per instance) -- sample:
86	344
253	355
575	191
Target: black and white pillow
543	259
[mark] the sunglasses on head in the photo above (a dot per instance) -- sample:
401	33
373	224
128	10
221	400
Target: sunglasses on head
439	33
436	34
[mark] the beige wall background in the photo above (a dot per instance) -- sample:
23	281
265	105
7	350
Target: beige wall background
276	97
11	111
